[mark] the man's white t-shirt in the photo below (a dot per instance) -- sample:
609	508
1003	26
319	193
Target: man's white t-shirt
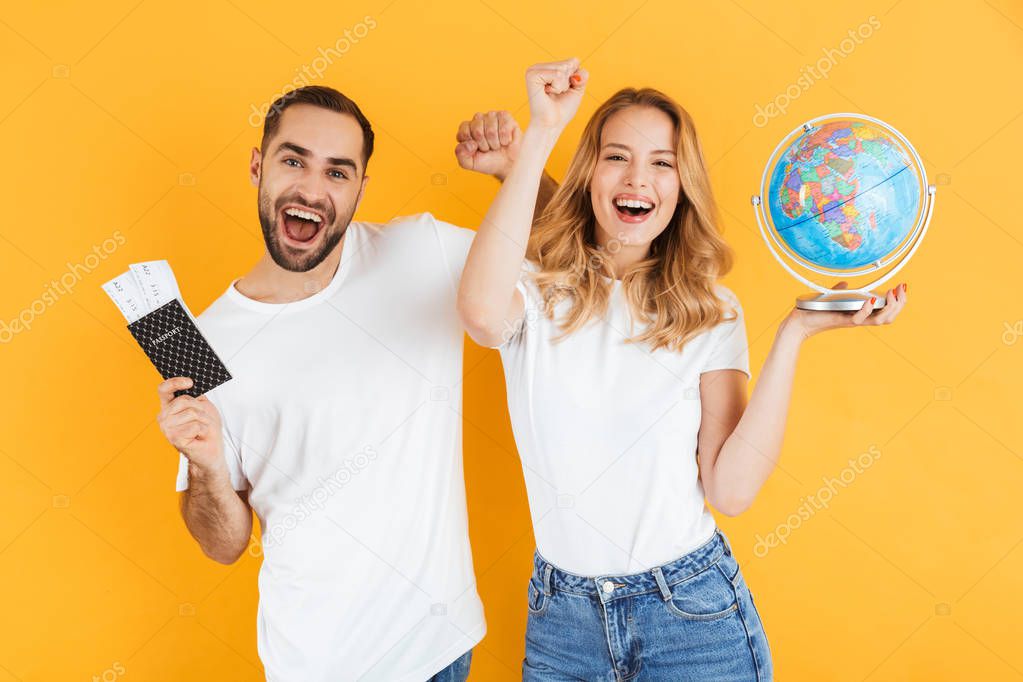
343	422
607	434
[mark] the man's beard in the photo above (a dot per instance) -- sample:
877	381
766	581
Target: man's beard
304	262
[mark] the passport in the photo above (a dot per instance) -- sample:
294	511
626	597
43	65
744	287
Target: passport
173	343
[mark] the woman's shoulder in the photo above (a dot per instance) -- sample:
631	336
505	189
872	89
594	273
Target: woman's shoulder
530	265
725	294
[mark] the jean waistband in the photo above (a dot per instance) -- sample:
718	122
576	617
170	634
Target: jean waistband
659	578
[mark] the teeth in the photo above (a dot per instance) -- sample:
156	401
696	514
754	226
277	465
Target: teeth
633	203
298	213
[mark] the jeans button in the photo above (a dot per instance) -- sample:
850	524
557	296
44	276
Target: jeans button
608	587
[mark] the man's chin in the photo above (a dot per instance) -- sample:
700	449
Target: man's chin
293	257
294	260
303	263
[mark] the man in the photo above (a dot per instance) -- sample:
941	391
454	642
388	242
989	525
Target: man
341	426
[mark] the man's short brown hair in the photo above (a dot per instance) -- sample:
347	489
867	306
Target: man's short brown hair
327	98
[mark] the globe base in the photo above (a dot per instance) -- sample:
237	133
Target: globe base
843	301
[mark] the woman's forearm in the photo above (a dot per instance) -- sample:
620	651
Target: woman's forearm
495	258
548	186
751	452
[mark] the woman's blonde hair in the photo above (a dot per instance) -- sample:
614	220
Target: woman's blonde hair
671	292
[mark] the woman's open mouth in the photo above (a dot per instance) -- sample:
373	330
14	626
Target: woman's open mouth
631	208
300	226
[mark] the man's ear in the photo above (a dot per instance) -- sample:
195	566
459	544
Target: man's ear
362	191
255	166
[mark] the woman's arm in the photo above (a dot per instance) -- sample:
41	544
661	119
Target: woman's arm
488	301
739	445
548	186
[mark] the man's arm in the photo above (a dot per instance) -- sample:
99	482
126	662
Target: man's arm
489	143
217	516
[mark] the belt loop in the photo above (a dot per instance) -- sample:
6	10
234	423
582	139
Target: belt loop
724	540
662	584
548	569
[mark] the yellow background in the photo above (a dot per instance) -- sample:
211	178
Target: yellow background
132	118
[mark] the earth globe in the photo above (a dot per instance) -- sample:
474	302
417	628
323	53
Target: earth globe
843	196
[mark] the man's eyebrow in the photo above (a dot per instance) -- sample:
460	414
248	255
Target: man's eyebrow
627	148
331	160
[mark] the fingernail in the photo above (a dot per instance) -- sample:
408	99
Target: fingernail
872	299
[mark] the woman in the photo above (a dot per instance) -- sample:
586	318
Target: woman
626	367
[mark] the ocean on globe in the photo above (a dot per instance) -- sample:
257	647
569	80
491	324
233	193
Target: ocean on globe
844	194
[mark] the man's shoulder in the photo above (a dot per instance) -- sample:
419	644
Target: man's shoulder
419	235
220	318
422	225
215	309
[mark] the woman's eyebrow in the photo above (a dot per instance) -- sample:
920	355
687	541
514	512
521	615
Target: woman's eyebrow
628	149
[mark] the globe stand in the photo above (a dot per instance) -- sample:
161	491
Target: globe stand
844	301
841	299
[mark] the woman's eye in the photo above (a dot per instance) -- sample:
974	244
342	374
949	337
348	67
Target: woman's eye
665	164
615	157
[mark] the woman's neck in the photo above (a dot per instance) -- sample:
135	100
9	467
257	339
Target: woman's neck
621	257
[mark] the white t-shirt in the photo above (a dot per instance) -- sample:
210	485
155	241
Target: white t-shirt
607	434
343	421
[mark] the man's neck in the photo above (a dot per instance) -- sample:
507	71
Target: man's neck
268	282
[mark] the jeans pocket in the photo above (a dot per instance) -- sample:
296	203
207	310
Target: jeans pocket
708	595
536	600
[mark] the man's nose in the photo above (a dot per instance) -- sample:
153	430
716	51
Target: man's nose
312	190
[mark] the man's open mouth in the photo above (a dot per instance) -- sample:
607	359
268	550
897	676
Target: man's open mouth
301	224
632	208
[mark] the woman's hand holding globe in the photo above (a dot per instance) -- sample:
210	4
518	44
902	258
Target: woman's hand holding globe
810	322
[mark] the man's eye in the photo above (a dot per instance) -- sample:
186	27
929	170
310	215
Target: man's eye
290	160
339	174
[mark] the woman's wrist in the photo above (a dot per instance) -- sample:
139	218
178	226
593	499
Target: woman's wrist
791	333
537	145
539	136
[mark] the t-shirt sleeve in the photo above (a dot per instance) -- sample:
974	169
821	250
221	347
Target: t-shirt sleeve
454	244
728	346
232	458
530	307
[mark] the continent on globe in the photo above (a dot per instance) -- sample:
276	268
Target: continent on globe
844	194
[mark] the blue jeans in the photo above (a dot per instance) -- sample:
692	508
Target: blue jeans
456	672
691	619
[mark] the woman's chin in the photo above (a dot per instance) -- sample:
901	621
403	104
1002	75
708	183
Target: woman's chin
622	234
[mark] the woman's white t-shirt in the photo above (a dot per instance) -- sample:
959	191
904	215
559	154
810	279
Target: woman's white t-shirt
607	434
